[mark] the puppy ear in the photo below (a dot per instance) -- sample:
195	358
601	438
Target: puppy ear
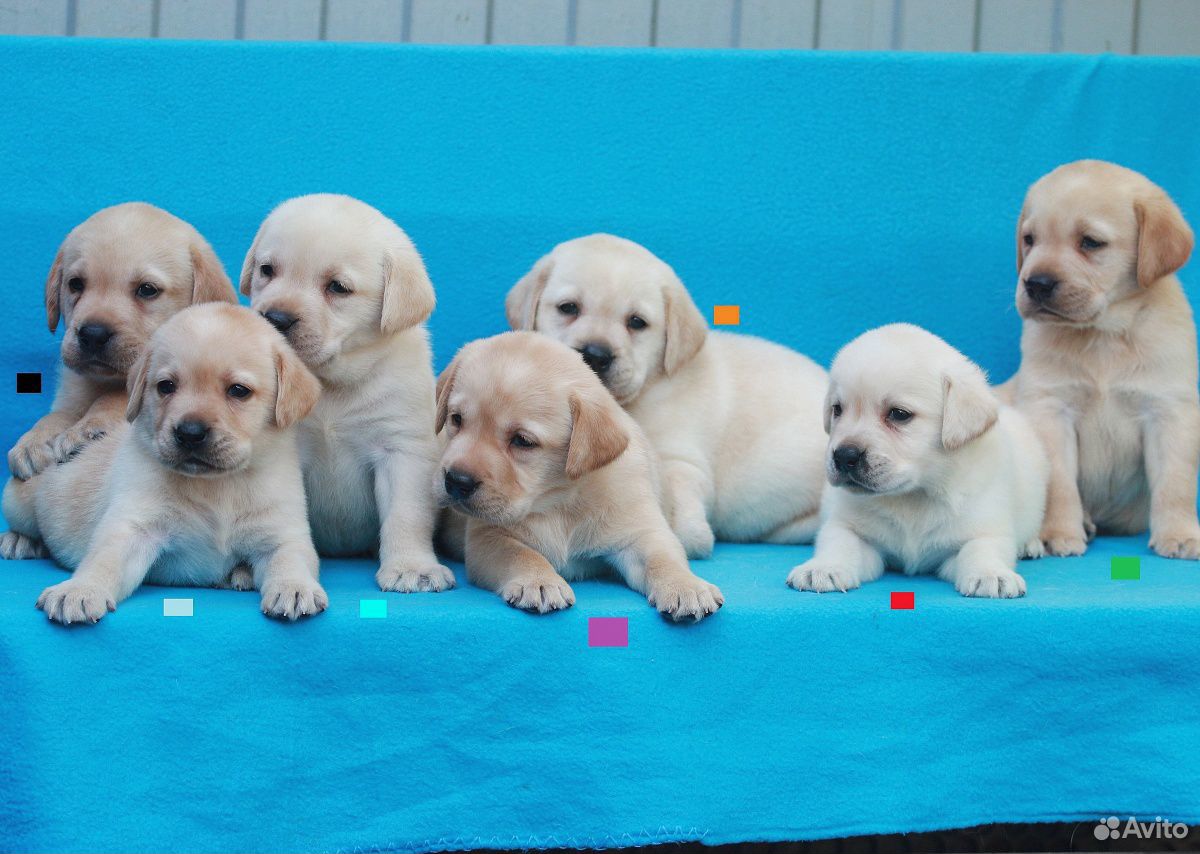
1020	241
445	384
827	412
686	329
54	291
209	282
521	304
969	407
296	389
1164	239
596	437
135	385
408	297
248	264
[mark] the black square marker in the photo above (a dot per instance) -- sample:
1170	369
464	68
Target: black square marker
29	383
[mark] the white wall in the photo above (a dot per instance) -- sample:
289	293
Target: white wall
1084	26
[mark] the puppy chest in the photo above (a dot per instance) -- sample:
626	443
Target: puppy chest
340	489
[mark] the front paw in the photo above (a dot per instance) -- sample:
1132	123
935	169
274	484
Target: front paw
821	577
1181	541
14	546
421	578
685	597
990	584
30	457
1033	549
541	593
293	597
71	441
241	577
75	601
1064	541
697	537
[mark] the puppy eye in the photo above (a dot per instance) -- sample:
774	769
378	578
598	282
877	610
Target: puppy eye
75	285
147	291
1087	244
267	270
456	419
1028	239
336	287
238	390
568	308
520	440
165	387
836	410
636	322
898	415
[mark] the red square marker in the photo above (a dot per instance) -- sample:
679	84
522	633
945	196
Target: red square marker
904	601
608	631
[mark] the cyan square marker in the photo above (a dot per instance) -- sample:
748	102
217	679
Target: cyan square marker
177	607
1126	568
372	609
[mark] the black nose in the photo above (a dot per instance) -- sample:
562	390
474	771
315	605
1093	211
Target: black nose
460	485
189	434
847	457
597	356
93	336
281	320
1040	288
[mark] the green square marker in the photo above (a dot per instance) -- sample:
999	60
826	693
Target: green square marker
373	609
1126	568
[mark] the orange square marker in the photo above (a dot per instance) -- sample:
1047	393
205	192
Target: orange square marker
726	315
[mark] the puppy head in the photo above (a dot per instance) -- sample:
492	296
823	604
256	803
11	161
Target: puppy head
214	381
524	420
901	401
118	276
617	304
335	275
1090	235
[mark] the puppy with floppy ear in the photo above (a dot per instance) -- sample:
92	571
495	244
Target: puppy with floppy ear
735	419
116	278
556	481
348	290
208	475
928	472
1108	357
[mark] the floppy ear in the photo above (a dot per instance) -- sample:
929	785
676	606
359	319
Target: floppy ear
969	407
686	329
53	291
135	385
407	292
445	383
1020	240
596	437
296	389
1164	239
209	282
521	304
827	412
248	264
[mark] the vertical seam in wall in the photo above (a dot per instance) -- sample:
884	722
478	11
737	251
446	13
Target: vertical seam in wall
1137	28
72	16
323	25
406	13
816	37
489	14
155	18
897	19
1056	26
975	27
653	23
239	20
735	24
572	21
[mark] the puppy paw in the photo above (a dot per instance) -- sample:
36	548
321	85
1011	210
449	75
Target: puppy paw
1033	549
14	546
685	597
697	538
823	577
75	601
1089	528
240	578
1064	542
71	441
990	584
293	597
539	593
429	578
29	458
1179	542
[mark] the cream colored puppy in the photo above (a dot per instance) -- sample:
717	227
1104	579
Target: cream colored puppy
1108	357
116	278
559	483
735	419
928	472
348	289
207	476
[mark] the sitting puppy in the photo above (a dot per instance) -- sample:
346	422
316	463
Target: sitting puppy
557	481
1108	357
736	420
207	475
928	472
117	277
347	288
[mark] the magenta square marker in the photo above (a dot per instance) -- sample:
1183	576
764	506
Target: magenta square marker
608	631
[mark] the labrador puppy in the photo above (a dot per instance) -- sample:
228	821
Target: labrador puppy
736	420
347	288
207	475
928	473
1108	357
116	278
557	480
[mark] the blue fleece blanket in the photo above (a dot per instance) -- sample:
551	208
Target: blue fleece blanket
824	194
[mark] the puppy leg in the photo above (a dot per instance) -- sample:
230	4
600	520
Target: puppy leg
689	495
34	452
985	567
1172	454
106	412
802	529
287	577
656	566
241	577
1063	530
407	512
842	561
522	577
23	542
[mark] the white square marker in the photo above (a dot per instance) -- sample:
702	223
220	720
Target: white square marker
177	607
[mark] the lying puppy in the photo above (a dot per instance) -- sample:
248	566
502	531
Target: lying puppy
928	472
208	475
735	419
557	480
116	278
348	289
1108	357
